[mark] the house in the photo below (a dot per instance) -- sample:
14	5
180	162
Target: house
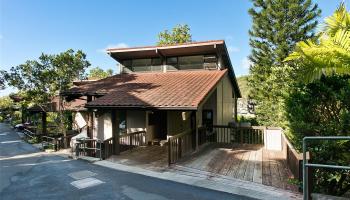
161	91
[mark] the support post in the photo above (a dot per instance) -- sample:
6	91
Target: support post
90	124
235	105
43	123
196	127
115	132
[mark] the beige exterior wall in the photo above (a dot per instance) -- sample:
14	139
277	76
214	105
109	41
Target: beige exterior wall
221	102
175	122
102	126
227	100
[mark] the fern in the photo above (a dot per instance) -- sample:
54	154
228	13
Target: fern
330	54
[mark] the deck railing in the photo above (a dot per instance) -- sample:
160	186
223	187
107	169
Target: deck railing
89	147
294	159
132	140
126	142
179	146
107	147
229	134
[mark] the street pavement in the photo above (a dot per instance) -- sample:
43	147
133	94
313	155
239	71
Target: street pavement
27	173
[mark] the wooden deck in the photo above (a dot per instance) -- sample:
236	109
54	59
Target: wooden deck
245	162
149	157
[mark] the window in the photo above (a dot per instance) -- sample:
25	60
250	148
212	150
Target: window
171	63
127	63
122	122
210	62
191	62
141	64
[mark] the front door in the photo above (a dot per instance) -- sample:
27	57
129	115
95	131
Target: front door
158	121
207	118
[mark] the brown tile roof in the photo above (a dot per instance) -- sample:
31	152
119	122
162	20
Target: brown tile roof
171	90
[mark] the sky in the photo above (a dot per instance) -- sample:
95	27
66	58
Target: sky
29	28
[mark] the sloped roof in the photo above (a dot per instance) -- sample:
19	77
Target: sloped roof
189	48
171	90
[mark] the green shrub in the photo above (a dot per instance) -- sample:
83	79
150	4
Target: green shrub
322	108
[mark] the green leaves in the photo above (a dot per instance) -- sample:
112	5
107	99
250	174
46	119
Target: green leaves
277	27
330	54
39	80
98	73
180	34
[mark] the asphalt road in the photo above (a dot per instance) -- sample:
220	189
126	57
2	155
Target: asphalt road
26	173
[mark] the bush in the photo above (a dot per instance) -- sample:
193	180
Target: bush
322	108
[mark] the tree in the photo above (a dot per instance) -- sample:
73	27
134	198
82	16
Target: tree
277	26
328	55
98	73
318	104
40	80
2	79
180	34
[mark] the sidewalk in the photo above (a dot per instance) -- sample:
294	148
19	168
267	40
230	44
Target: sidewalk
206	180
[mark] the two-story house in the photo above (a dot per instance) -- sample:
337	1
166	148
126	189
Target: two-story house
161	90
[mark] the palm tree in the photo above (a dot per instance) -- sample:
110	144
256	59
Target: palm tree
329	54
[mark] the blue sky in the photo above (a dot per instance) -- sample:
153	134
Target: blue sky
28	28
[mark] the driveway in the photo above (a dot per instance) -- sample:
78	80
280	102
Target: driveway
26	173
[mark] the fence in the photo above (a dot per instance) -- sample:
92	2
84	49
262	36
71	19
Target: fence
107	148
132	140
89	147
179	145
240	135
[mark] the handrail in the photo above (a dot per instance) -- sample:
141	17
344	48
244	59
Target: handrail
84	141
53	141
316	165
179	135
26	131
178	145
133	133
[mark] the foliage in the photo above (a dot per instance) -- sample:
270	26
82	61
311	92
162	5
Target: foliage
251	120
39	80
8	110
98	73
2	80
322	108
243	86
34	140
277	27
179	34
330	54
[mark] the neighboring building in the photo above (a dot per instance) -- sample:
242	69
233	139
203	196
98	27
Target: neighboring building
162	90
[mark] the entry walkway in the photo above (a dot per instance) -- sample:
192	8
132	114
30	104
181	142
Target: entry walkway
149	157
244	162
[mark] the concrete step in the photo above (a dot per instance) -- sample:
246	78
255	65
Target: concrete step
89	159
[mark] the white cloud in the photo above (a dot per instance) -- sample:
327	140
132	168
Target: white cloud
245	63
232	49
229	37
119	45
